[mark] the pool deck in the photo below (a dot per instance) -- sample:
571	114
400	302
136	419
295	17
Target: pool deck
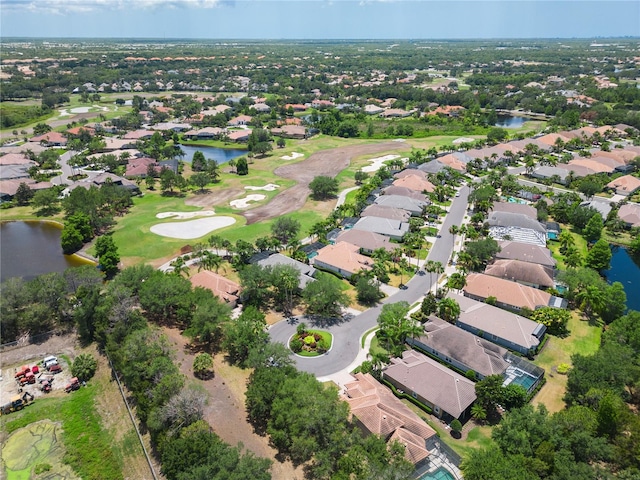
437	460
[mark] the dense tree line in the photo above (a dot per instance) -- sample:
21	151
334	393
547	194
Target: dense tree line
597	435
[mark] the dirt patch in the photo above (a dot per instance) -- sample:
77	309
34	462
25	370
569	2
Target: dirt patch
226	412
327	162
219	197
31	355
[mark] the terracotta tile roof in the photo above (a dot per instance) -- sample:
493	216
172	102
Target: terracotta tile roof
78	131
523	272
221	287
525	252
597	167
51	137
624	185
414	182
508	293
454	162
406	192
343	256
15	159
411	171
381	413
630	213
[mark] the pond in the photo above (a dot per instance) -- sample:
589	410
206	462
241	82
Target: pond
509	121
30	249
626	271
220	155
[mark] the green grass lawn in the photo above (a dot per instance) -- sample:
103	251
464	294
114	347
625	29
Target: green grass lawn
584	339
478	437
580	243
89	447
326	336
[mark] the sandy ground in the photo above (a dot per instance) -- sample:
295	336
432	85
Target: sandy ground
31	355
226	412
193	228
245	202
327	162
376	163
185	215
293	156
269	187
219	197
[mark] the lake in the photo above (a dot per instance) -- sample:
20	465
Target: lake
220	155
509	121
626	271
30	249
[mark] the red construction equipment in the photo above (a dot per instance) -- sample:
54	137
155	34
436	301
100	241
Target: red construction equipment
55	369
22	371
74	384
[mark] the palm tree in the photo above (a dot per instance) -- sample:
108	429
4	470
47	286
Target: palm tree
448	310
454	230
478	412
179	267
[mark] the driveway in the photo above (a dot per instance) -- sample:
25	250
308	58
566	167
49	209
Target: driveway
347	332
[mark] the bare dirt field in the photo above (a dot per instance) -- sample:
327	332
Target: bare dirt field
226	411
215	198
327	162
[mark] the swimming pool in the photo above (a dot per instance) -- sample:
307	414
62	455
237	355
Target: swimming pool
440	474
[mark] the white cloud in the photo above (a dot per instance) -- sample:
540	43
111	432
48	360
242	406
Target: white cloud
61	7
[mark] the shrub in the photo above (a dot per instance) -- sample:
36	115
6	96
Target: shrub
563	368
296	345
456	426
203	365
301	328
84	367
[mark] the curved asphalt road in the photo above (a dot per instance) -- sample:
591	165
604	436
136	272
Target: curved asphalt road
348	331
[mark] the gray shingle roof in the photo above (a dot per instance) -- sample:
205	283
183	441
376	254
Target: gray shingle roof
432	381
496	321
474	352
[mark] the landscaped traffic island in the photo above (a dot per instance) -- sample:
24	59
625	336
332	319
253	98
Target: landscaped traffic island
310	343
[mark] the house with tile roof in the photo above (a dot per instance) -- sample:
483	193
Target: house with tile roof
405	192
447	393
240	120
415	183
16	159
393	229
530	274
510	249
462	350
517	208
405	203
50	139
367	241
239	135
386	212
499	326
223	288
290	131
508	294
629	213
626	185
377	411
342	258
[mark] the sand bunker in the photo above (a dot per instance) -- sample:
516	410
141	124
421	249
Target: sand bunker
293	156
269	187
185	215
244	202
193	228
460	140
376	163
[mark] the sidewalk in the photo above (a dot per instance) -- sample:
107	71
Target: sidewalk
343	377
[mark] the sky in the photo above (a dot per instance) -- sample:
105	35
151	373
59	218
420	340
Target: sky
319	19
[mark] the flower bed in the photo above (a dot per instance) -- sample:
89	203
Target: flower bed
310	343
